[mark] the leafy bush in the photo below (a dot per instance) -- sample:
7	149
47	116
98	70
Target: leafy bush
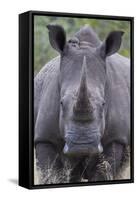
43	51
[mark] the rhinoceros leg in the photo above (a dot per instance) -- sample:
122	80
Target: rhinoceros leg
109	163
48	160
114	154
72	168
76	173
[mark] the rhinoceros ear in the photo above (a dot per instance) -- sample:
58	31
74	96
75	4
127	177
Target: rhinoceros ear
112	44
57	37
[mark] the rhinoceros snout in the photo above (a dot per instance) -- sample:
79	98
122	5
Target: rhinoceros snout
82	149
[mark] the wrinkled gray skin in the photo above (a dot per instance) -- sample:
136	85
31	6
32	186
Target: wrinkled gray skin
82	104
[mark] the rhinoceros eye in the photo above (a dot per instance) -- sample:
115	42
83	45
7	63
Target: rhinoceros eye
103	104
61	103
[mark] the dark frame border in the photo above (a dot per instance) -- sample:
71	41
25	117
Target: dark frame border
29	127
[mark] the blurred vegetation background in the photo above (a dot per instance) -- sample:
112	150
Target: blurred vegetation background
43	52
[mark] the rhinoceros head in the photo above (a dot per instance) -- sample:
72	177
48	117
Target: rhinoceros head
83	81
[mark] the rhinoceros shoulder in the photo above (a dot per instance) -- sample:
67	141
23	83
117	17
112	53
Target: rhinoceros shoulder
118	68
46	72
43	78
118	123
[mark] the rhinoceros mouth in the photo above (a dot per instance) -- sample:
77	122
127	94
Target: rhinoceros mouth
82	149
80	141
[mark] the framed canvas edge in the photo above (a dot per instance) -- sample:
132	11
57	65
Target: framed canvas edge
31	15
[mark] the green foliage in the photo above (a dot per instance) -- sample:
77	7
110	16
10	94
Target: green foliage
43	51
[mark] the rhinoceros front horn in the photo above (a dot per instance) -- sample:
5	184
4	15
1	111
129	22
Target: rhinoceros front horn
82	108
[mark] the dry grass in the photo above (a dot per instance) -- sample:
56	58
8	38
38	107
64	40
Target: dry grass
53	176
